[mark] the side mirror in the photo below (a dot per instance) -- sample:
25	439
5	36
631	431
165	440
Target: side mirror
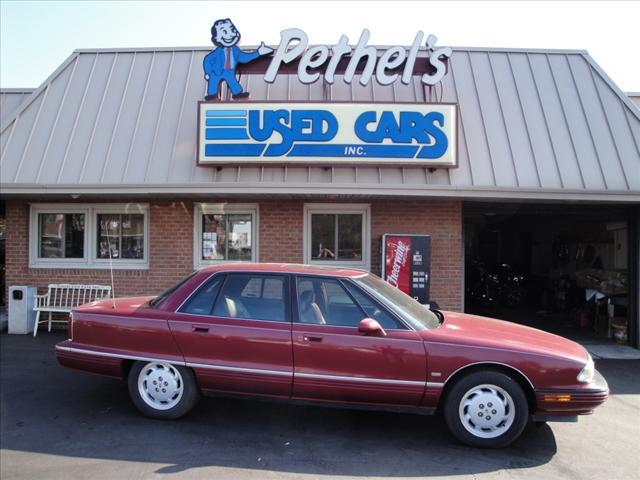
368	326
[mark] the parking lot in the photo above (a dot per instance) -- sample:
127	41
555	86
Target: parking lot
57	423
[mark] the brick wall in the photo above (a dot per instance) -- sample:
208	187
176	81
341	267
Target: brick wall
281	231
280	240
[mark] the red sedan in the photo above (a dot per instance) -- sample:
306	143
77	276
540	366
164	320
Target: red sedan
331	336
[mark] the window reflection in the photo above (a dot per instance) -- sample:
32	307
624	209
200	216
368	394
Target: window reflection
336	237
226	237
61	235
121	235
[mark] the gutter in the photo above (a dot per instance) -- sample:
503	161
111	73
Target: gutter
413	191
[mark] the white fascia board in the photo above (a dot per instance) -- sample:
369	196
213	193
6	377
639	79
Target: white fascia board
413	191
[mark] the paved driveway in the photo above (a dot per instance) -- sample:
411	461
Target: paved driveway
57	423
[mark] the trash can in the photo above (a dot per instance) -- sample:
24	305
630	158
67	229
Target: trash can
22	317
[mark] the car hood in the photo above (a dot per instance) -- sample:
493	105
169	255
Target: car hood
117	306
473	330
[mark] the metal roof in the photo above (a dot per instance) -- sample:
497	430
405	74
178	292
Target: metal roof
10	100
532	124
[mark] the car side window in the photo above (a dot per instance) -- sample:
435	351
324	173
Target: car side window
324	301
252	297
374	310
201	303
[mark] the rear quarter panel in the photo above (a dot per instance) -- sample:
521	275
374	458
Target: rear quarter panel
144	334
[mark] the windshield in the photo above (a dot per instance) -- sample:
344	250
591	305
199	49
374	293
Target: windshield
160	298
419	316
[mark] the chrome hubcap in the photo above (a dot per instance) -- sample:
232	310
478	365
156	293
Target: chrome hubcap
160	385
487	411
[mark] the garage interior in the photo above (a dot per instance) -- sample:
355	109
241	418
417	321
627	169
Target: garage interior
564	268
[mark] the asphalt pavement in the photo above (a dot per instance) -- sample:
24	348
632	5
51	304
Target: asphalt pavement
61	424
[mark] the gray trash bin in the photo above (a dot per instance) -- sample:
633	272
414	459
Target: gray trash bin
22	299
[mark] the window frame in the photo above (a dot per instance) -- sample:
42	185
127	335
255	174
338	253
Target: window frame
295	313
34	236
296	300
91	212
391	313
118	209
363	209
201	209
213	278
286	300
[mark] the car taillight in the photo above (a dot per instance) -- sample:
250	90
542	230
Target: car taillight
70	326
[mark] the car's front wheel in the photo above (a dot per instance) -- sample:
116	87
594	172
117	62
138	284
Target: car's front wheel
162	390
486	409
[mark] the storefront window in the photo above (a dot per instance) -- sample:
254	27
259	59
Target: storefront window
337	234
226	237
225	232
87	235
61	235
123	234
336	237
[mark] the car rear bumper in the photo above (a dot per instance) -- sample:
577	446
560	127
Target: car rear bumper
571	402
70	356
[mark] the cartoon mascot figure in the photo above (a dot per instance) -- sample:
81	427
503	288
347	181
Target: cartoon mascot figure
220	64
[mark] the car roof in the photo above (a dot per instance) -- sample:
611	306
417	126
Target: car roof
287	268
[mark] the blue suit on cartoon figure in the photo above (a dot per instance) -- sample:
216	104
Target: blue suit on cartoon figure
220	64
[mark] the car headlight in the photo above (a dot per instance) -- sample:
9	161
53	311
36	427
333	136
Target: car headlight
586	374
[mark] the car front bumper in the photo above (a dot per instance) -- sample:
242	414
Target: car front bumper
554	404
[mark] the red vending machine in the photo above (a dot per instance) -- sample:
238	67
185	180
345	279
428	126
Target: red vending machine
406	263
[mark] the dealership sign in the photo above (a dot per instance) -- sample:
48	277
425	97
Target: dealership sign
219	66
327	133
325	58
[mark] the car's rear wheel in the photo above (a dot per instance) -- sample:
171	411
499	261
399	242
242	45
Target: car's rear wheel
162	390
486	409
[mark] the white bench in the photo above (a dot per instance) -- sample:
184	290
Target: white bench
63	297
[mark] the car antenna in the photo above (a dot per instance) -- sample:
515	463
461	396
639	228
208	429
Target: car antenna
113	288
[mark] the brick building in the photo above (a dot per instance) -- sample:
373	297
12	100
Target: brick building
100	161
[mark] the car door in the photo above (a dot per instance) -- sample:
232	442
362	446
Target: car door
235	332
334	361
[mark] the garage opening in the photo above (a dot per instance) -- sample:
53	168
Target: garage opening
559	268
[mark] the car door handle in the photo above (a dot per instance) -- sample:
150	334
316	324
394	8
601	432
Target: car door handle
200	329
309	339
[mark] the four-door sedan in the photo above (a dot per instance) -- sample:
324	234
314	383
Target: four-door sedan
330	336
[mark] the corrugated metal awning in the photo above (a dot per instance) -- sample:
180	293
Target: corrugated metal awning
532	124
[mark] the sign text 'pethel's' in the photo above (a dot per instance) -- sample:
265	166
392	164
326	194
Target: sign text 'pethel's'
294	42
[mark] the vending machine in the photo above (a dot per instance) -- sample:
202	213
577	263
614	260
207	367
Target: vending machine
406	263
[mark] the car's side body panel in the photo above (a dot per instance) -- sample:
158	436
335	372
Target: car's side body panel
104	336
236	355
88	359
339	364
544	362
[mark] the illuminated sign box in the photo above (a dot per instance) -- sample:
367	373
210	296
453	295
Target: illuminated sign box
391	134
